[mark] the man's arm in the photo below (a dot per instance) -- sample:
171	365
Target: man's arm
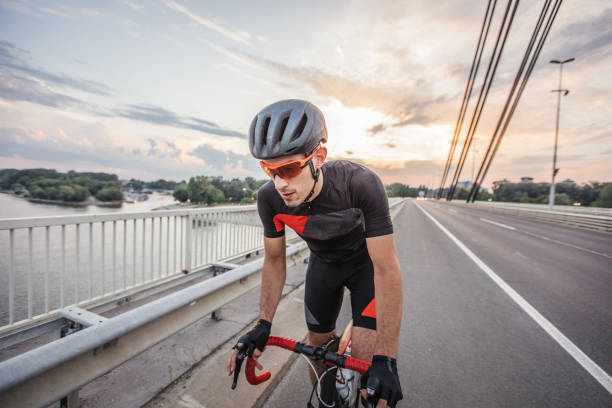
273	276
388	293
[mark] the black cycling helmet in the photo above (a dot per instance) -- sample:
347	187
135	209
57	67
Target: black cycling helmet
286	127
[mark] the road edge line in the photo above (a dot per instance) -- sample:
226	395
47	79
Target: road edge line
585	361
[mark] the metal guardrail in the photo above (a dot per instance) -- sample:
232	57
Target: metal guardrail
558	208
50	372
585	221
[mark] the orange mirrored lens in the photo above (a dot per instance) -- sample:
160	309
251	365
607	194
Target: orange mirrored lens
285	171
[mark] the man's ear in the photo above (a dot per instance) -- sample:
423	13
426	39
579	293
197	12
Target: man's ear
321	155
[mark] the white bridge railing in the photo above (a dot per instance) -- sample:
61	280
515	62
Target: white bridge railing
49	263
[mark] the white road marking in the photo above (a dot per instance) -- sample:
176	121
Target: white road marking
453	210
521	255
567	244
589	365
498	224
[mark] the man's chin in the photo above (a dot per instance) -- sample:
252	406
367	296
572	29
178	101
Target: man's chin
291	202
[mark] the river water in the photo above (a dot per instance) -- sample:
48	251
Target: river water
15	207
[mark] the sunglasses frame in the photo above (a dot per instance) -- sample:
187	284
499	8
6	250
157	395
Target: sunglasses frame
272	171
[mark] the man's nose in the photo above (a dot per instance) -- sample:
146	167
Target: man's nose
279	183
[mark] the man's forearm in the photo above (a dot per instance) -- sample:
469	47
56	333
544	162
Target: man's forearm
388	284
272	281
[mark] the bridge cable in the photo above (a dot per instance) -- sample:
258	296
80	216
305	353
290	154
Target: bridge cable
468	90
498	135
504	30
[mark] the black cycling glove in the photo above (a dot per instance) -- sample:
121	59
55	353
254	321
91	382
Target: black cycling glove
382	379
257	337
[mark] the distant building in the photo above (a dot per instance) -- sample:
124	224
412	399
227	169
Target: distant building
568	182
526	179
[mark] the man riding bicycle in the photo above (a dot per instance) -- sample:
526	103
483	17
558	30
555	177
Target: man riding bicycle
341	210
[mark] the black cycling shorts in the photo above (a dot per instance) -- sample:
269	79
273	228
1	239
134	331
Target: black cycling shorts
325	282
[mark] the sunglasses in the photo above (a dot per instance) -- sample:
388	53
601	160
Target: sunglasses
287	170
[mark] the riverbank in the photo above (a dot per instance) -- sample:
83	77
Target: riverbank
13	206
116	203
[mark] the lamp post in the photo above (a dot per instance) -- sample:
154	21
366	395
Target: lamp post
551	197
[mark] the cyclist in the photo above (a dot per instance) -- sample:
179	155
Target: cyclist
340	209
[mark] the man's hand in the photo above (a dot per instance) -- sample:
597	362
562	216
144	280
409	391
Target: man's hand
253	343
381	380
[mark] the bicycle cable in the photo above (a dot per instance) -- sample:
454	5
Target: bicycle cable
317	386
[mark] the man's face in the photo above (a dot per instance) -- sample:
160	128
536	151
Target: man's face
294	190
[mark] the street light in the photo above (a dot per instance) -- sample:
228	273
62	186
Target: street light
551	197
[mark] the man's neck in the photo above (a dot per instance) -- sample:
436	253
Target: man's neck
318	187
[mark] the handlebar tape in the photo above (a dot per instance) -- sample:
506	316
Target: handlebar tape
254	379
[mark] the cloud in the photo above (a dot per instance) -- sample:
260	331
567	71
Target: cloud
54	12
175	151
377	129
226	161
132	5
100	153
152	147
14	63
586	37
411	172
23	83
160	116
545	159
400	102
234	35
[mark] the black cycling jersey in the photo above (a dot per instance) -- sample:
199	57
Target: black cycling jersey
351	206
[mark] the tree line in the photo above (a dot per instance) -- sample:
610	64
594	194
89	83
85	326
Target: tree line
79	186
50	184
214	190
592	194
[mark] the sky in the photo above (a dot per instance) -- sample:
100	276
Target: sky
168	88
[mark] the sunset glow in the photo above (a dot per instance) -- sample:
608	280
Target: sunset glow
167	89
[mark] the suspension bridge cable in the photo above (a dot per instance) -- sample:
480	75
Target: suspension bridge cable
532	63
534	35
484	91
468	89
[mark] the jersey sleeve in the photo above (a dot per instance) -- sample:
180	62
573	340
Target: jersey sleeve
266	212
371	198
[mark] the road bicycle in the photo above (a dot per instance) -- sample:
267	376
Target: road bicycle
339	362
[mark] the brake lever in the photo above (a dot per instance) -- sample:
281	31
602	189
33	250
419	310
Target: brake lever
372	391
239	360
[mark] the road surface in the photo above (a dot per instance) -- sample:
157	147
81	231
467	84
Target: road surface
507	312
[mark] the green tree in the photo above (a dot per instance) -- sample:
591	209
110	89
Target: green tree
399	190
181	194
111	193
483	195
462	194
196	188
605	197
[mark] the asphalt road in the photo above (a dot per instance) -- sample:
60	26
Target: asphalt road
465	342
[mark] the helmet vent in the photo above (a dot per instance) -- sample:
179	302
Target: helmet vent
300	127
264	131
283	126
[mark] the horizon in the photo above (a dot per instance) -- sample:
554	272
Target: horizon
100	87
267	178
